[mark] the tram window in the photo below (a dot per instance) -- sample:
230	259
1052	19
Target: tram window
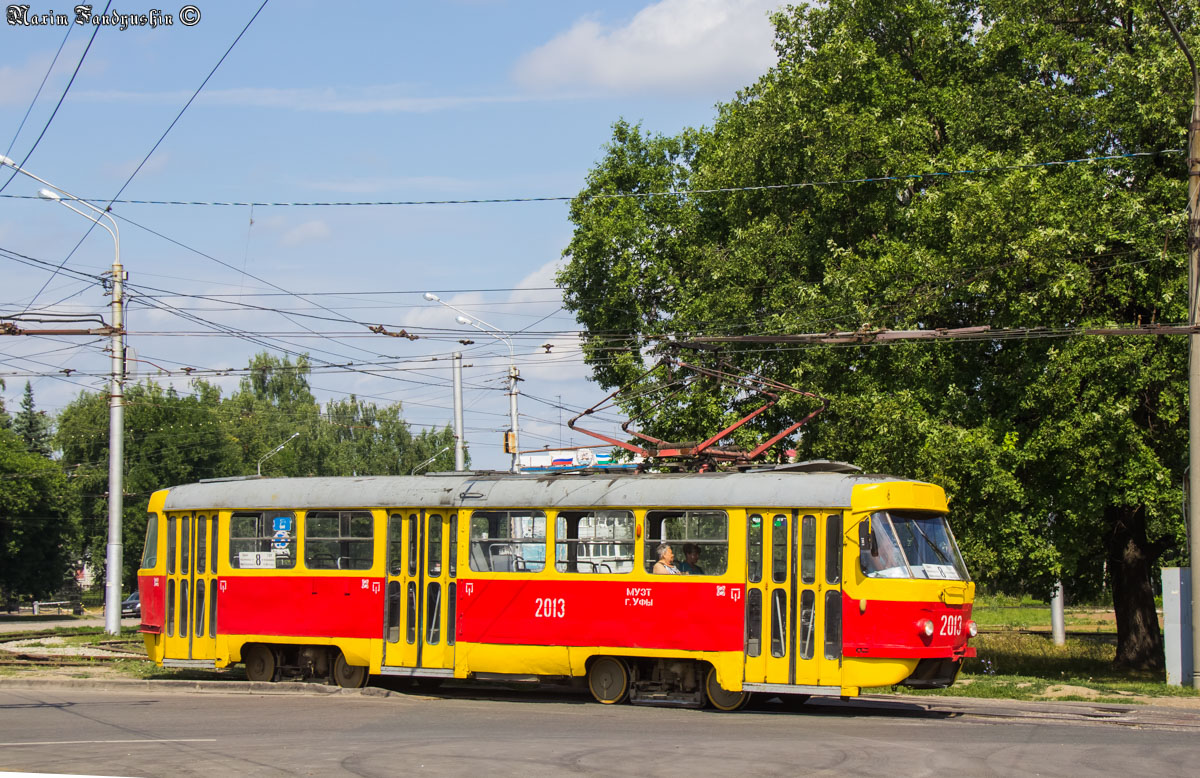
754	622
808	549
212	602
150	551
453	554
779	547
778	623
201	546
339	540
433	551
393	612
594	542
183	607
171	538
754	549
410	619
707	531
199	629
413	545
833	548
185	544
395	545
214	547
833	623
433	613
508	541
451	609
807	600
170	607
262	540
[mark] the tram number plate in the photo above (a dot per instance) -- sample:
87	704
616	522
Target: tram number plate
550	608
951	625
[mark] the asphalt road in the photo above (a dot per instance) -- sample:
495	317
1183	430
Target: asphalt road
261	730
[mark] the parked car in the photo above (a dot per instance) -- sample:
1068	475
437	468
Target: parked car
132	605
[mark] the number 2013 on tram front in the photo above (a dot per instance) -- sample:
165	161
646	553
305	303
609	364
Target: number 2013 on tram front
808	583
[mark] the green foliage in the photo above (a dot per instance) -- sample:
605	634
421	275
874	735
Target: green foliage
31	425
174	439
37	532
1047	447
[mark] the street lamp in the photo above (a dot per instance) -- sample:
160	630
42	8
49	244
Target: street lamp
116	402
514	374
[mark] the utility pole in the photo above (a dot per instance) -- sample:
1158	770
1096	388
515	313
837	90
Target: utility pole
1193	244
460	458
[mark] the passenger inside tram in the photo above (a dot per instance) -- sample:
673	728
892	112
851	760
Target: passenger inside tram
666	561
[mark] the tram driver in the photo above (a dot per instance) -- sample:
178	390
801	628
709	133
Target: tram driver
666	561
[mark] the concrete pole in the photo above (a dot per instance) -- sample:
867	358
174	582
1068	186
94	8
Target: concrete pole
1193	244
513	376
460	458
1058	622
116	455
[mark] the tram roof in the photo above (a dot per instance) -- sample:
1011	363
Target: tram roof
483	490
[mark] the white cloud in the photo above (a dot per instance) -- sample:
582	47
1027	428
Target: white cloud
670	45
19	83
306	232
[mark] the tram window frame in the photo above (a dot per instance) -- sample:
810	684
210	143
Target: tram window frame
714	546
808	549
835	543
433	545
351	548
754	549
252	532
201	544
489	546
414	545
172	542
185	544
780	534
453	541
395	545
754	618
779	617
607	529
150	550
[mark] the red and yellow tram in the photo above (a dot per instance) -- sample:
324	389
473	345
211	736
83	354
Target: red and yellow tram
800	582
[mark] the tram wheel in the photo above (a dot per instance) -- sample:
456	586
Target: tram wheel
260	662
721	698
346	675
608	680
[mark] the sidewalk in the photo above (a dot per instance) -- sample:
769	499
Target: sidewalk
24	622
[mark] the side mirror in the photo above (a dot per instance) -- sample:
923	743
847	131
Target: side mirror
867	540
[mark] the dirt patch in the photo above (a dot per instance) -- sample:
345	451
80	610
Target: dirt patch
1066	689
55	646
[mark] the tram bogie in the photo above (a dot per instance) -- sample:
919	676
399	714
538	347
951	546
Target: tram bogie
794	583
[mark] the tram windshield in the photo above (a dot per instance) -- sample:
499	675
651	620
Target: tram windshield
910	544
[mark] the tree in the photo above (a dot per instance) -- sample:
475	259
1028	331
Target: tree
37	533
363	439
169	439
1058	454
32	426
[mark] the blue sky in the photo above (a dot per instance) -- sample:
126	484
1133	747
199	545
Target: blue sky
359	101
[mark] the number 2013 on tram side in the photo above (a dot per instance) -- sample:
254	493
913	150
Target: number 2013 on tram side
809	583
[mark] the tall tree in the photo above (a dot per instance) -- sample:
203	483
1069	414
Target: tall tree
38	535
1059	454
169	439
31	425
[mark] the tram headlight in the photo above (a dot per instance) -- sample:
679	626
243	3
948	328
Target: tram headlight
925	627
972	628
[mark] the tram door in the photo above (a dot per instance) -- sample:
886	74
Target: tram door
793	598
191	596
421	589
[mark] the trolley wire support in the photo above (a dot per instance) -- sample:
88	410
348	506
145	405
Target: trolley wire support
705	454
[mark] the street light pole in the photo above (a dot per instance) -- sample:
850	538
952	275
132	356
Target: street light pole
514	374
114	558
